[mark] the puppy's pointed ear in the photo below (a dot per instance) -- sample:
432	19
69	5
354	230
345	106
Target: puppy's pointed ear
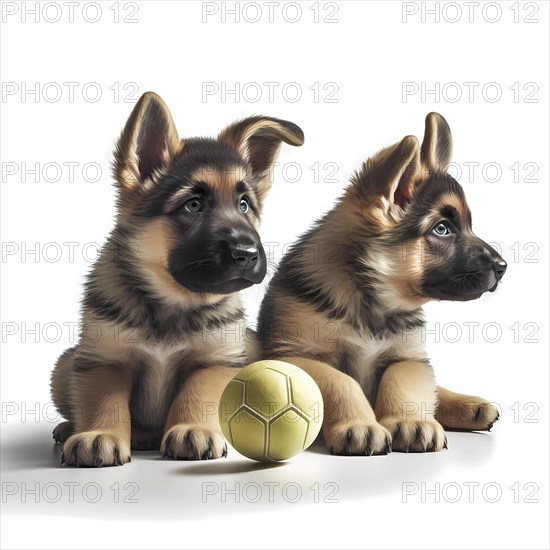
148	142
390	174
258	140
437	146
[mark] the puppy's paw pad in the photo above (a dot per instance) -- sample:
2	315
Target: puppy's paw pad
415	436
191	442
358	439
95	449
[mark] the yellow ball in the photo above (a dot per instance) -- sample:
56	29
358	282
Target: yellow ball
271	411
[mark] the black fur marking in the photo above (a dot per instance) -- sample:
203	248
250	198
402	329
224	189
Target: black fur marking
345	363
87	363
74	454
449	212
180	370
190	443
104	308
168	451
369	449
295	284
98	461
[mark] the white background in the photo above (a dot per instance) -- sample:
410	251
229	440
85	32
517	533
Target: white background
369	53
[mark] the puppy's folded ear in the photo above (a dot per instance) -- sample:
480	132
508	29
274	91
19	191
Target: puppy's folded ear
437	146
258	140
389	176
148	142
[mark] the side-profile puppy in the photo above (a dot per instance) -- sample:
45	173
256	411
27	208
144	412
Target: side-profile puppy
153	355
346	302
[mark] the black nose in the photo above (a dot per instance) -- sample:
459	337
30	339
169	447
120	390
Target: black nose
244	255
500	268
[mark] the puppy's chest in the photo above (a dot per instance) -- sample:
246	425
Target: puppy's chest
160	371
199	350
160	358
361	354
364	356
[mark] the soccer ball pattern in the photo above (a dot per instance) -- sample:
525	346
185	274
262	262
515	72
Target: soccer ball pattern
271	411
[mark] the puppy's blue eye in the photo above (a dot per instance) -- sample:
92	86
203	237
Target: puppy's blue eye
244	205
441	229
193	206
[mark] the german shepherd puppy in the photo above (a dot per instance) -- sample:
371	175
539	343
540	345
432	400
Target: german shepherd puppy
346	301
153	353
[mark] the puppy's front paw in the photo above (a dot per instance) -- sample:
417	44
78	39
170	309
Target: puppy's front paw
192	442
344	438
415	436
470	415
96	449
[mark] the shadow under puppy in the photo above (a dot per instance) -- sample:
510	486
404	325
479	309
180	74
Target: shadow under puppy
346	301
152	361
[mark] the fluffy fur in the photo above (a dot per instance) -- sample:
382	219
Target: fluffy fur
162	325
346	301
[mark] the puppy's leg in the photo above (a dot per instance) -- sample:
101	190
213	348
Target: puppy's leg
59	389
192	429
457	411
406	403
349	425
101	417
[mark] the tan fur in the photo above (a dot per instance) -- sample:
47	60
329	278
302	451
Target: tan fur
60	385
149	344
408	263
349	425
222	181
240	136
130	347
406	404
102	423
458	411
192	428
356	355
437	146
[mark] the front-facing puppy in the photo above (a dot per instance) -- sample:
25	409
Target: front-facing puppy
153	356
